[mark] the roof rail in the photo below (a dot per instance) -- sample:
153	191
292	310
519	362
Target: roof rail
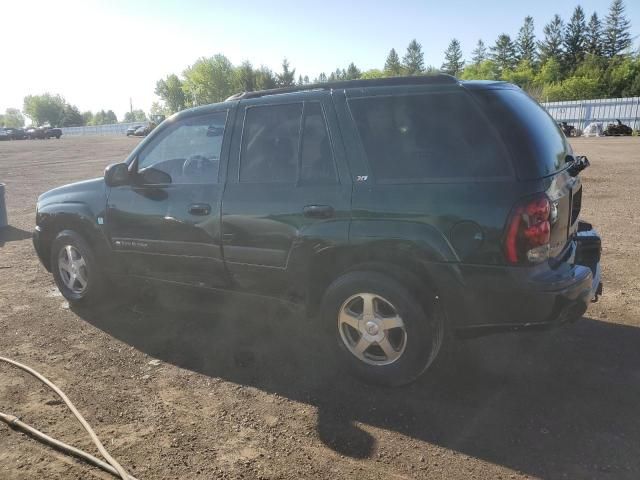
438	79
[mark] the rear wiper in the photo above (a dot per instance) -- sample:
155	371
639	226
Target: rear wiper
579	163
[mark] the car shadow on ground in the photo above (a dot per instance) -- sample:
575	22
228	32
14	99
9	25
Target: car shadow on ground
12	234
553	404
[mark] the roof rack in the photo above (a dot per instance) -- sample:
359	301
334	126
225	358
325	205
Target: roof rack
439	79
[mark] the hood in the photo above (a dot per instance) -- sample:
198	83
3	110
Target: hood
78	192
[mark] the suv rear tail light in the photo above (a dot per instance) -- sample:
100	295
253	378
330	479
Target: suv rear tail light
528	231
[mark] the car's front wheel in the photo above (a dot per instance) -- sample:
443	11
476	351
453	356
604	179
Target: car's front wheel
387	332
76	270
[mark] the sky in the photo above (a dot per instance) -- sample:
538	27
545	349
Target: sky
99	55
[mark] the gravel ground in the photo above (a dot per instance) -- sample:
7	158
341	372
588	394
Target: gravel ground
182	386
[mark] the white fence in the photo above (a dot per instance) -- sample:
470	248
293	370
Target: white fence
580	113
115	129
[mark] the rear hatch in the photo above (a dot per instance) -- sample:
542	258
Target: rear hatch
540	154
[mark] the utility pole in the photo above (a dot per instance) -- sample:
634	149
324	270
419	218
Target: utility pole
131	107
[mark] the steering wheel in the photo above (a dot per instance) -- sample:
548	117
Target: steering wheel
197	165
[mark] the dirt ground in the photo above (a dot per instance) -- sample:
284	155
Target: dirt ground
187	387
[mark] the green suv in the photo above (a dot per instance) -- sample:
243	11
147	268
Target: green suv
401	212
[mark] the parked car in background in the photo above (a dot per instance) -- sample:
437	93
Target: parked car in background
4	135
401	212
16	133
34	133
145	130
53	132
132	130
43	133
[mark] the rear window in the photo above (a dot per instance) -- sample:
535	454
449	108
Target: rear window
532	136
422	137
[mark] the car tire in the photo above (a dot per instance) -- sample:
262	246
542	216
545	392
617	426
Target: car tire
76	270
393	342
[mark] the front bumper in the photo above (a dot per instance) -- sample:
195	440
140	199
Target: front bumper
39	247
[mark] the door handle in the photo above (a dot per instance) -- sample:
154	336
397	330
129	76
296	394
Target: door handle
318	211
199	209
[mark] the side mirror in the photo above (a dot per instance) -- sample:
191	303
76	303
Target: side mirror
116	174
153	176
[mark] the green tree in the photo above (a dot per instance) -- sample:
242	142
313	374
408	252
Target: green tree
12	118
550	72
616	33
72	117
87	118
485	70
287	77
321	78
208	80
44	109
551	46
413	60
265	79
573	88
135	116
575	39
353	72
157	109
503	53
105	118
392	65
620	76
526	41
479	54
170	90
373	73
245	78
522	75
453	62
594	35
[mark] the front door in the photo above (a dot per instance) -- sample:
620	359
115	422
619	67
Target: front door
166	224
287	195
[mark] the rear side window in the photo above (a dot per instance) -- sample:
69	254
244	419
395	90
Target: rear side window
537	145
425	137
270	141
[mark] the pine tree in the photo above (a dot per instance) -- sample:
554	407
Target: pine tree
353	72
503	53
594	35
392	66
526	41
479	54
453	62
616	33
413	60
575	39
321	78
288	77
551	46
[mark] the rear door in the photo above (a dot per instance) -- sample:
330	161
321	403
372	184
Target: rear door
288	191
166	225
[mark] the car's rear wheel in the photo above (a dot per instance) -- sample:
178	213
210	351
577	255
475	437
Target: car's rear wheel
386	332
76	270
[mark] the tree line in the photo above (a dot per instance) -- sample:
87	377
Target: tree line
577	59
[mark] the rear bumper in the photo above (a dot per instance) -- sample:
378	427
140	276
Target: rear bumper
507	298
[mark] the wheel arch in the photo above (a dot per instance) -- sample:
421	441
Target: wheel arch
51	223
404	261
